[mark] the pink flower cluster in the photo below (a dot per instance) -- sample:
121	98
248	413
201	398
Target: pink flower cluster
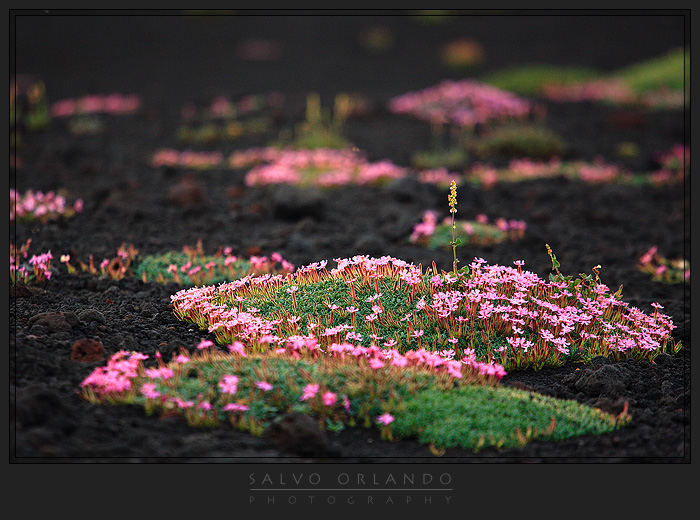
115	104
385	419
117	376
377	358
41	206
529	169
37	268
663	269
439	176
677	158
674	165
543	319
425	229
223	107
664	98
463	103
613	91
187	159
525	169
322	167
598	171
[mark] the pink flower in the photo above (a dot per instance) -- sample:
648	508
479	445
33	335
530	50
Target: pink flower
183	404
63	108
181	358
264	386
205	343
399	361
310	391
385	419
235	407
238	348
329	398
229	384
375	364
149	391
648	256
155	373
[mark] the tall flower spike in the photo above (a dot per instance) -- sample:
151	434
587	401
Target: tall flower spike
452	197
452	201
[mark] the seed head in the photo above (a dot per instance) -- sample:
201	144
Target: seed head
452	197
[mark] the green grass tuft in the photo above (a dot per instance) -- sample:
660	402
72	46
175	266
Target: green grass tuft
663	72
519	141
528	80
471	417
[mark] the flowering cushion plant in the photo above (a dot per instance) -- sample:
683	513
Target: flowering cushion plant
190	266
529	80
518	140
186	159
342	387
226	108
319	167
36	205
656	83
114	104
490	313
25	269
212	131
674	165
663	269
436	235
595	172
193	267
463	103
227	119
322	167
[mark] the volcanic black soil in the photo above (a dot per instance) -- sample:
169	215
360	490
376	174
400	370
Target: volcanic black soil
170	60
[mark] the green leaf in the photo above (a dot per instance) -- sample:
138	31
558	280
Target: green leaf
555	262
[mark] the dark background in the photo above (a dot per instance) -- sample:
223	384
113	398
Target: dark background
171	58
